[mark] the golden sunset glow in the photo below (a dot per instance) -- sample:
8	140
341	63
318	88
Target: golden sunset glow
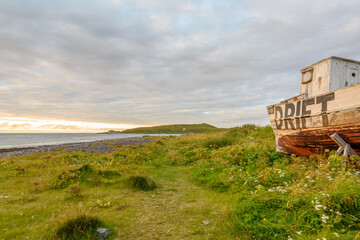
41	125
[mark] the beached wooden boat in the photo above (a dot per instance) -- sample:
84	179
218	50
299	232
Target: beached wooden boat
329	102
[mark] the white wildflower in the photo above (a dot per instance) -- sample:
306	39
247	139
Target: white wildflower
317	207
336	234
299	232
338	213
324	218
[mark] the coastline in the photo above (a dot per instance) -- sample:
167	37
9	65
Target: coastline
99	146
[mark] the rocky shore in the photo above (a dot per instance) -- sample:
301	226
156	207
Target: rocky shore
103	146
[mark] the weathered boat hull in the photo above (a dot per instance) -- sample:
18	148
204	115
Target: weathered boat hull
304	126
316	140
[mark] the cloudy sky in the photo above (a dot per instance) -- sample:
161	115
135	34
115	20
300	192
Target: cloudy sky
94	64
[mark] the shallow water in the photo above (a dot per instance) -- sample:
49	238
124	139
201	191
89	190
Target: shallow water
19	140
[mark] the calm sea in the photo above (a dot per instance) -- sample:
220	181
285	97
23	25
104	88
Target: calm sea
18	140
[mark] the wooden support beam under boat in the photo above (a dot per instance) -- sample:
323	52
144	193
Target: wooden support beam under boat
344	146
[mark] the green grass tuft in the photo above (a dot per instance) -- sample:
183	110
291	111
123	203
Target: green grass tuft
67	177
219	142
82	227
141	183
84	174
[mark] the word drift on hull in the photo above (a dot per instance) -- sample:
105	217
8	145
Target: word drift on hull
329	102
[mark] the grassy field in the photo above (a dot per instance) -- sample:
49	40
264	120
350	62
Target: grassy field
174	128
225	185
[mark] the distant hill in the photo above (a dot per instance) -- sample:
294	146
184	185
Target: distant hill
174	128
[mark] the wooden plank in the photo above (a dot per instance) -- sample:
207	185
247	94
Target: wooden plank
339	100
351	116
346	150
344	145
338	140
340	150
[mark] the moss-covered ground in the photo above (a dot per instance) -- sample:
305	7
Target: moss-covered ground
226	185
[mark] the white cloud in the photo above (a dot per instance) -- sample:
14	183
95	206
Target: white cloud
114	2
157	62
159	23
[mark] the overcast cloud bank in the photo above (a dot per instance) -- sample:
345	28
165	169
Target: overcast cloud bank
161	62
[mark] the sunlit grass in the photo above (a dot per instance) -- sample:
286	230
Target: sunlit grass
234	179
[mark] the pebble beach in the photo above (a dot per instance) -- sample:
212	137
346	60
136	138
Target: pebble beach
102	146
